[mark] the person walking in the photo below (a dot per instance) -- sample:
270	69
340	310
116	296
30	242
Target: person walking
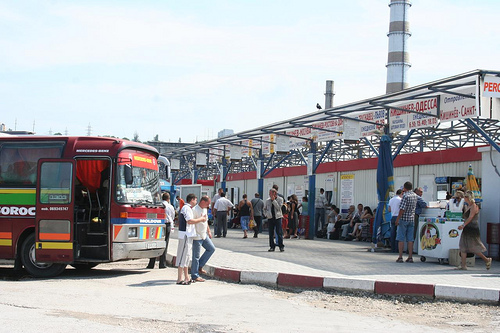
222	208
394	209
202	239
169	216
272	210
470	240
257	205
405	221
246	213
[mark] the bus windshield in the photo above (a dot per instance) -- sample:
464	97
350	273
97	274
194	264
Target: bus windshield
137	179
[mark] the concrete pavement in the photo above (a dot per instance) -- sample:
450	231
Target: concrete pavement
345	265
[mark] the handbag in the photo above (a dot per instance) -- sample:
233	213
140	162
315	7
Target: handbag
191	231
252	224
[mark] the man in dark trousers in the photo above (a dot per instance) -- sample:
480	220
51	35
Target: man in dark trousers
169	215
272	210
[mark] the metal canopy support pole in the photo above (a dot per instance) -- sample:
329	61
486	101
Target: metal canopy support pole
322	155
402	144
172	189
260	179
223	173
279	162
472	124
312	190
195	175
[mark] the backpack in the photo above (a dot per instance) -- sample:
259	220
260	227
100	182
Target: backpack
284	209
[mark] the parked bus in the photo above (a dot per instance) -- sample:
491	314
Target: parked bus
79	201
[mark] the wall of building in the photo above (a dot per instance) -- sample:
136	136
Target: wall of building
415	168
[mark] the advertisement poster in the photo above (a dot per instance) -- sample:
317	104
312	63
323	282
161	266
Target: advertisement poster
346	192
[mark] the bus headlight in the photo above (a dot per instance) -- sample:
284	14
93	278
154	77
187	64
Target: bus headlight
132	232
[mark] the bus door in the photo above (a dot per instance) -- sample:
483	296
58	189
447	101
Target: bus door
55	210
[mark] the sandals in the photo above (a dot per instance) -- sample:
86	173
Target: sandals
488	263
198	279
409	260
399	260
461	268
184	283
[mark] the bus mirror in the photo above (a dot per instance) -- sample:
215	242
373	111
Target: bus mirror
129	178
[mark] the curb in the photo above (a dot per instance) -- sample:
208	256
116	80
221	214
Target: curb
399	288
467	294
275	279
349	284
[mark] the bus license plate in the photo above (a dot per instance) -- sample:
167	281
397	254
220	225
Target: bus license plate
151	245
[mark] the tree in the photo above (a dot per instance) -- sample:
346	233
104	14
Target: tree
136	137
156	138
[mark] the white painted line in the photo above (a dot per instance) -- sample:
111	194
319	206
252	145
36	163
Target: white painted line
466	293
264	278
349	284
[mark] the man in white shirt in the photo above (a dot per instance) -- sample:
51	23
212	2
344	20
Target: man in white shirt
214	200
319	209
394	209
169	217
222	208
202	239
185	243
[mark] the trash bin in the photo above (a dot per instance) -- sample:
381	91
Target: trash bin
493	239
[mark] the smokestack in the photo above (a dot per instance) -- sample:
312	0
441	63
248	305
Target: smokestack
329	95
398	61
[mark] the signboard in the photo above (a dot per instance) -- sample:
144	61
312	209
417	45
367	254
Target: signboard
346	192
267	147
352	129
175	164
201	159
215	155
376	116
323	130
454	107
303	132
491	86
235	153
403	121
282	144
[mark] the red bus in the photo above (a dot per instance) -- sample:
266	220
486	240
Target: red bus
78	201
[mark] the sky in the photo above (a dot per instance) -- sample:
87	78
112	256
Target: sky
185	70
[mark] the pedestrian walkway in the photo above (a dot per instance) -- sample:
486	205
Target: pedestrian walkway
325	263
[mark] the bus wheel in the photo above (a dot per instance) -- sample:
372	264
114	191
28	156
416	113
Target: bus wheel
84	267
35	268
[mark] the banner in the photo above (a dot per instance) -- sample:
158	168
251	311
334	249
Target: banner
454	107
376	116
403	121
491	86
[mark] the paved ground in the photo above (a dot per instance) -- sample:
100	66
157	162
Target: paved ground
342	260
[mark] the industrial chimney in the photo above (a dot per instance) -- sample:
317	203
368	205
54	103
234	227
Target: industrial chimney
329	94
398	61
